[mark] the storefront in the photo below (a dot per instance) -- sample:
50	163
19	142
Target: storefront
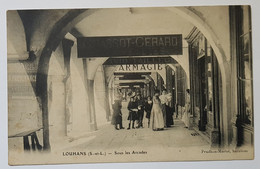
205	80
207	109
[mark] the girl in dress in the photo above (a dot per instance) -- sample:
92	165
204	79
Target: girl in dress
148	107
132	107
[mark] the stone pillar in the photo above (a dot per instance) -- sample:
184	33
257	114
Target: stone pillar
107	102
66	46
90	68
78	115
110	91
100	96
93	124
42	93
87	89
107	99
59	95
57	109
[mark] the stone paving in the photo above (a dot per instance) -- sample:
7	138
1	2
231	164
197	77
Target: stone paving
174	137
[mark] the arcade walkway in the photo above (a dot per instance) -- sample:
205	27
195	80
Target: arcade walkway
107	138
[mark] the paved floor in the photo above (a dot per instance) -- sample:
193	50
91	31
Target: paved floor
109	138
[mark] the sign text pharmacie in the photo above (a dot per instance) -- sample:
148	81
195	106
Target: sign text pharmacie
140	67
147	45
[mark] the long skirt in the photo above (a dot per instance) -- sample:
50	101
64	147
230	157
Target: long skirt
156	119
186	119
116	119
169	116
164	113
132	115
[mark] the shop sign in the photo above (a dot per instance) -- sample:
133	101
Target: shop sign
147	45
141	67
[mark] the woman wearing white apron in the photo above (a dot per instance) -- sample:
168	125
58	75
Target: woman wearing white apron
156	119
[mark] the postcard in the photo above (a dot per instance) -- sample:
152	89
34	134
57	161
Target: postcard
137	84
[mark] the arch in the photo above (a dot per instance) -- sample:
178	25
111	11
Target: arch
74	16
197	19
111	75
93	66
207	31
58	32
172	66
149	78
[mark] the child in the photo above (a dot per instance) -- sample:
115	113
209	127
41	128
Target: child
132	107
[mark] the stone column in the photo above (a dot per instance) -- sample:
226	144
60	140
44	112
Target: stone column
90	68
110	96
57	109
100	96
42	93
107	102
86	86
93	124
66	46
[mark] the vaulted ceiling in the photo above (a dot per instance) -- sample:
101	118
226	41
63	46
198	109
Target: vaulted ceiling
133	21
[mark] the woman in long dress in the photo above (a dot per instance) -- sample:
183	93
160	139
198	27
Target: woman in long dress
186	115
156	118
117	115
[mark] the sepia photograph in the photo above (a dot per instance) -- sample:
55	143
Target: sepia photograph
130	84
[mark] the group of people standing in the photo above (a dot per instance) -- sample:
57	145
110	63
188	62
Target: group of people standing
161	115
159	111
